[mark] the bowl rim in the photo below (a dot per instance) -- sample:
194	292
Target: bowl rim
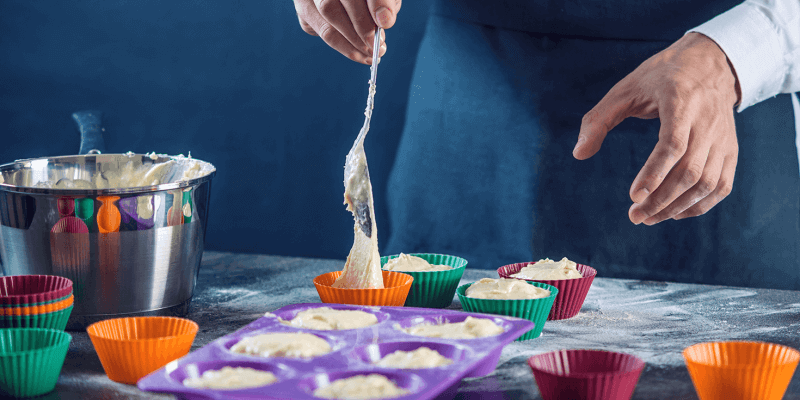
192	332
62	338
554	291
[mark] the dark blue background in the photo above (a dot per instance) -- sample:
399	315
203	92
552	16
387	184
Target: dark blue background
237	83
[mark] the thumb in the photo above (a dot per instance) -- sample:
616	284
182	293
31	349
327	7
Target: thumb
384	12
608	113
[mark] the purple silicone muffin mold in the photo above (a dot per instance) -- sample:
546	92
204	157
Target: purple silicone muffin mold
353	353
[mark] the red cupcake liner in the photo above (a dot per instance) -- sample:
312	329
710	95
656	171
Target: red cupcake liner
571	292
29	289
586	374
70	225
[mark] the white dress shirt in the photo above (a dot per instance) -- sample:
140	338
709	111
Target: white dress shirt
762	41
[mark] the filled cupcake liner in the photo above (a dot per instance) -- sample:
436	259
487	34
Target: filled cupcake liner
534	310
396	287
31	289
53	320
40	309
571	292
31	360
586	374
740	370
130	348
433	289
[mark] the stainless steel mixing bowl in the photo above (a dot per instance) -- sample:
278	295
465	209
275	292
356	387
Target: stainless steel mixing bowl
128	251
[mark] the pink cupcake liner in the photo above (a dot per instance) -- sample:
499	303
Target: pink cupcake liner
586	374
29	289
571	292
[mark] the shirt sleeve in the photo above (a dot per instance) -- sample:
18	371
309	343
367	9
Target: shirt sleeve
762	41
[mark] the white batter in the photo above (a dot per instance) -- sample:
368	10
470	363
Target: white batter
507	289
326	318
229	378
420	358
407	263
288	345
470	328
547	269
372	386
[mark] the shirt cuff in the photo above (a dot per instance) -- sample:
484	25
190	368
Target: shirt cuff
752	45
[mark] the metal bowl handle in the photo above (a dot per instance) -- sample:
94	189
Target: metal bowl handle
90	125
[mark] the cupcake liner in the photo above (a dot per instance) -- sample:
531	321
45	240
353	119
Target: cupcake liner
586	374
433	289
30	289
55	320
534	310
41	303
394	293
740	370
31	360
130	348
40	309
571	292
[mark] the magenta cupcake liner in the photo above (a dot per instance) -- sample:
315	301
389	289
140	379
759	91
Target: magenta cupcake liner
586	374
571	292
30	289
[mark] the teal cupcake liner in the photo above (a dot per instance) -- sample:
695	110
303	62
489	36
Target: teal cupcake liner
535	310
41	303
433	289
31	360
55	320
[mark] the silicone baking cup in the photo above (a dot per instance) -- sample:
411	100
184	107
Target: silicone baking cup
586	374
45	307
433	289
534	310
31	360
571	292
52	320
396	287
32	289
740	370
130	348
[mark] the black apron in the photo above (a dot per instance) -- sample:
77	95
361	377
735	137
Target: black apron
484	169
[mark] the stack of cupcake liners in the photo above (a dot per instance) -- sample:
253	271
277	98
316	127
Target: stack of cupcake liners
35	301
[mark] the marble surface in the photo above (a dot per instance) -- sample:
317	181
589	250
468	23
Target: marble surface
653	320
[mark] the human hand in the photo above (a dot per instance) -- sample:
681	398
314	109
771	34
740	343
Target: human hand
348	26
692	89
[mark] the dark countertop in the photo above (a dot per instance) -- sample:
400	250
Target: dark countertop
653	320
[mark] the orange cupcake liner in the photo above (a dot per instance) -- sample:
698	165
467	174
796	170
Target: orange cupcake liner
740	370
131	348
41	309
395	291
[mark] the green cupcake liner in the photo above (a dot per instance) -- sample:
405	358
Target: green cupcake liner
41	303
535	310
55	320
433	289
31	360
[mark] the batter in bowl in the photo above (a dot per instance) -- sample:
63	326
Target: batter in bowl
547	269
326	318
407	263
229	378
420	358
288	345
506	289
470	328
372	386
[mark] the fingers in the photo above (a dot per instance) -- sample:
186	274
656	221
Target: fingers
384	12
712	170
306	27
307	11
722	190
335	14
673	140
608	113
361	20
